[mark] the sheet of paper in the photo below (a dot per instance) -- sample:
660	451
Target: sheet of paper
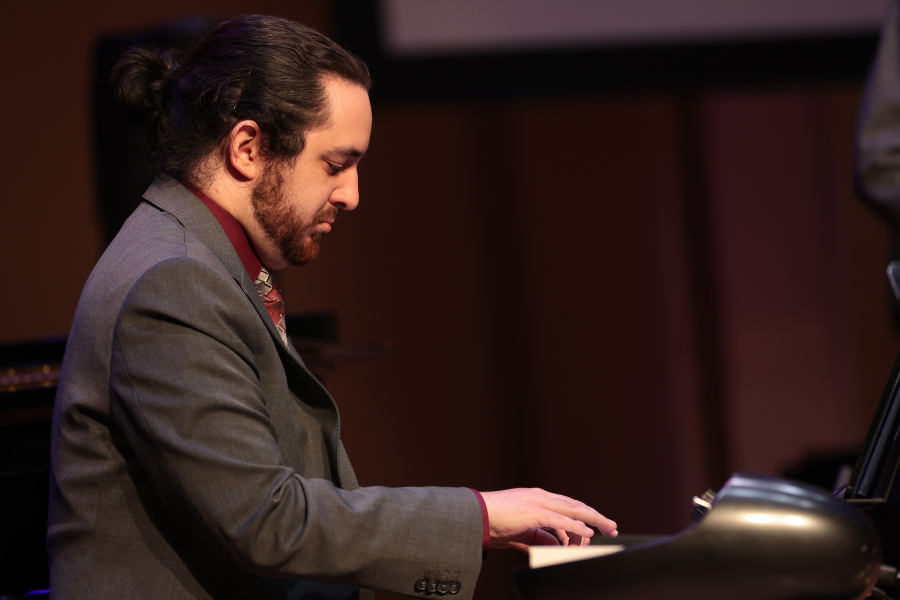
544	556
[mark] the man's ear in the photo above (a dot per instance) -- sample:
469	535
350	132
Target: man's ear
243	157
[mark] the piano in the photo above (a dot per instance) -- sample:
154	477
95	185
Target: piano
757	538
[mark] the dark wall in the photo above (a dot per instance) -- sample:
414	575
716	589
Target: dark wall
622	297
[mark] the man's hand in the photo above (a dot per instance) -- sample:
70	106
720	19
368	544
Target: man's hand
519	517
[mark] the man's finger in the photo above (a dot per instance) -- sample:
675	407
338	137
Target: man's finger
544	538
562	536
575	539
553	520
585	514
577	510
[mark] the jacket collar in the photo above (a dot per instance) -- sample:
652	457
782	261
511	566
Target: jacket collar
169	195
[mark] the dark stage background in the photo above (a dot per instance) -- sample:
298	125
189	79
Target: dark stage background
622	289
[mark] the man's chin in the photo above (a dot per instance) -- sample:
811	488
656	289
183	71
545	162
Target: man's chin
303	255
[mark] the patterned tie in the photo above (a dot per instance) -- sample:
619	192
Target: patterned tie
271	297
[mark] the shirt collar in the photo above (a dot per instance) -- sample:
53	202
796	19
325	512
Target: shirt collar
236	234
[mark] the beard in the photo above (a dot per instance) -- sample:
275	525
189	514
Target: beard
289	231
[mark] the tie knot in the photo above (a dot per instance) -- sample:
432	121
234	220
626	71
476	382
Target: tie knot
267	286
271	296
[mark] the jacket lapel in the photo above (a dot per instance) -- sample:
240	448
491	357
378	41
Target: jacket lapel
169	195
172	197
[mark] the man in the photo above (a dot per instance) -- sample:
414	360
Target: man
193	454
877	168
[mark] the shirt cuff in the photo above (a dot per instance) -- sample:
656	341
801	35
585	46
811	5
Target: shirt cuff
486	524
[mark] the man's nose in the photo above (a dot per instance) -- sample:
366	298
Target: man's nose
346	196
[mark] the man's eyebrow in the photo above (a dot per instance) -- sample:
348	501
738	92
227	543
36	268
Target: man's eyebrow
348	151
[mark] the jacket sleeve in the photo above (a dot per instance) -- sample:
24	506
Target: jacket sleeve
186	396
877	160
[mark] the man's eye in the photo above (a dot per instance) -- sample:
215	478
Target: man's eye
334	169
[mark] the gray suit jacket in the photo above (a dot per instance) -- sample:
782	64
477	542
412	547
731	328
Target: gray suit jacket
195	457
877	158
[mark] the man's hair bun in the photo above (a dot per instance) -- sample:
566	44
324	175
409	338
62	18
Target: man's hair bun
142	84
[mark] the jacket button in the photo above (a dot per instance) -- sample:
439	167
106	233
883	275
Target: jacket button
422	584
453	587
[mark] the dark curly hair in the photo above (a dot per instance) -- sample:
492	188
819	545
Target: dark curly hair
263	68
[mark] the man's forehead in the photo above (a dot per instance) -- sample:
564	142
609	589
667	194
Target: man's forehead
348	120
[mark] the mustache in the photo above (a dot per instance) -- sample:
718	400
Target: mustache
328	213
